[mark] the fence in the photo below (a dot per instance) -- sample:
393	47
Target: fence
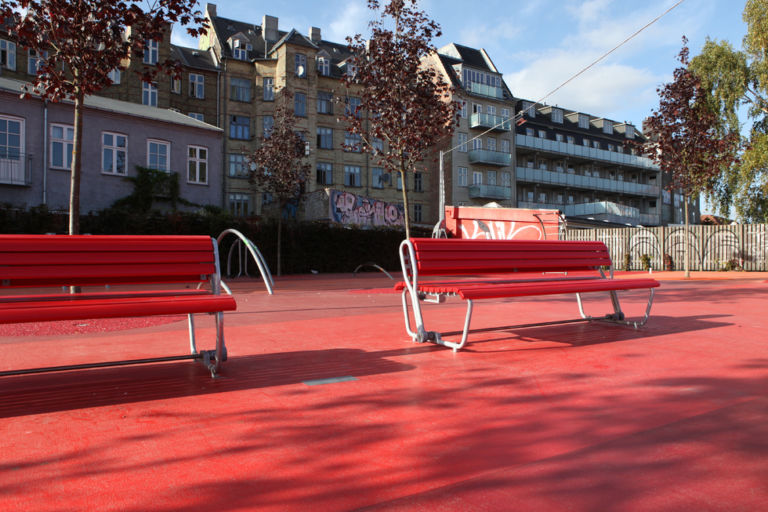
711	247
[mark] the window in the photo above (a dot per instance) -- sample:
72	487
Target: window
115	75
596	144
542	197
324	66
630	131
491	175
377	144
62	136
530	164
267	122
490	109
196	86
197	115
571	139
559	137
463	109
324	138
557	115
530	132
352	142
240	49
418	183
238	167
239	127
352	175
542	134
34	59
176	85
300	104
300	65
353	106
491	144
583	121
350	69
505	113
586	142
416	213
529	109
607	126
114	149
506	179
504	145
324	173
324	102
529	196
611	147
477	143
239	205
477	178
399	183
269	88
7	54
462	142
197	165
240	89
149	94
543	166
158	153
377	177
150	52
462	173
477	108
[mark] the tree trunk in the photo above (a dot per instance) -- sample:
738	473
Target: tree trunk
686	263
279	240
405	204
74	179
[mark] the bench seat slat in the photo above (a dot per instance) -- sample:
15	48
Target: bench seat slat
449	267
103	257
19	312
52	273
485	291
107	243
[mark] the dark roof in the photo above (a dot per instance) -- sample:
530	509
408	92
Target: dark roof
226	28
293	37
193	58
472	57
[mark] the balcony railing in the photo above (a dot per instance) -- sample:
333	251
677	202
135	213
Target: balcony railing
486	156
490	91
14	168
526	141
490	192
527	174
490	121
603	210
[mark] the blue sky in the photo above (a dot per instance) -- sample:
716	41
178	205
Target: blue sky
538	44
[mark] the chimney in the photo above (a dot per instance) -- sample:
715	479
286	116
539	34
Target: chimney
314	34
211	10
269	28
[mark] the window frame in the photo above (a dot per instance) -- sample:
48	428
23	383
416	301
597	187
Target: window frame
300	59
351	171
116	150
197	160
326	172
159	143
239	131
268	88
462	174
8	54
324	137
64	166
151	52
197	86
149	94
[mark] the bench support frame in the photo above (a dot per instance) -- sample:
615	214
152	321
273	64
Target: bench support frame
422	335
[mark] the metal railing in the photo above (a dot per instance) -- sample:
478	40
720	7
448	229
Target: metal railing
487	156
530	175
490	192
498	123
14	167
564	148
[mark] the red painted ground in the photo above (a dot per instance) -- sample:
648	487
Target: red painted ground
574	417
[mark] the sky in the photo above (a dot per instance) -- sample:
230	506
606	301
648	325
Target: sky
539	44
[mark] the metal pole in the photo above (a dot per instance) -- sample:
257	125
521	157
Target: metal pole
442	190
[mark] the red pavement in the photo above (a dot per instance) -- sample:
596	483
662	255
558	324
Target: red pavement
577	417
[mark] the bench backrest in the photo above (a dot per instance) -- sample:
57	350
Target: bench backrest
79	260
441	256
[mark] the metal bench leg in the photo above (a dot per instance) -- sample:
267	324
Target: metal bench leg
192	344
618	315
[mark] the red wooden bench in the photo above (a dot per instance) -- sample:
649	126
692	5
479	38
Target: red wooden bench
553	267
164	275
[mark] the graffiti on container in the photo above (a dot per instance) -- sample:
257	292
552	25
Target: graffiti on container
500	230
348	208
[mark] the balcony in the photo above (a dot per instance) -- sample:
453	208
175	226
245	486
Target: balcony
563	148
490	192
490	91
600	211
528	175
490	122
486	156
14	168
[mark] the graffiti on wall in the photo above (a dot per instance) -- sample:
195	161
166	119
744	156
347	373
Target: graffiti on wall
348	208
502	223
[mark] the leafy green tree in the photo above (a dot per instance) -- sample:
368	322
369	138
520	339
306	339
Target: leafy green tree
278	166
686	142
402	102
735	82
81	42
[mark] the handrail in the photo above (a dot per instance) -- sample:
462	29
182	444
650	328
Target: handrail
266	275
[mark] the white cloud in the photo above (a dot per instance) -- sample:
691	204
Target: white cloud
180	37
353	19
478	36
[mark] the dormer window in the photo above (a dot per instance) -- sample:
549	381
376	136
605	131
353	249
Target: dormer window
630	131
350	69
323	66
557	115
300	65
240	49
607	127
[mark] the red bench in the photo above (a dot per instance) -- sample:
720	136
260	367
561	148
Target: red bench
550	265
157	272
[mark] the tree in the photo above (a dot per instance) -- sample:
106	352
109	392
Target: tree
278	166
408	105
734	79
686	142
81	42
